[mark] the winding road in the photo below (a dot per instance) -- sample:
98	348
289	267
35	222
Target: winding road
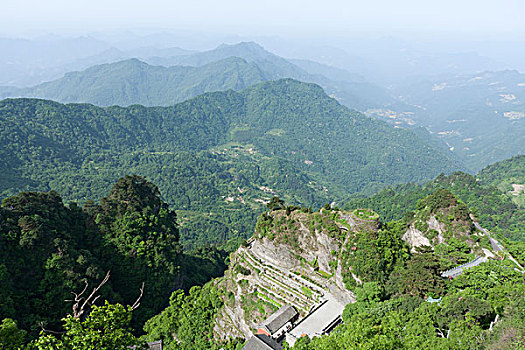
496	246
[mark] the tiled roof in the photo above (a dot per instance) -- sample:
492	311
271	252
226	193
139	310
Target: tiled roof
261	342
279	318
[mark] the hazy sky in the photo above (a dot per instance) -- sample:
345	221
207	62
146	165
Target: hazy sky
469	18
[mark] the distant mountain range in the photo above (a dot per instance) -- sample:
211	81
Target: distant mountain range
177	78
479	119
132	81
28	62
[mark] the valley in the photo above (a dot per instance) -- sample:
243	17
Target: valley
477	116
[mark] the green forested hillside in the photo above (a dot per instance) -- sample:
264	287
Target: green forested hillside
212	154
49	250
494	209
508	176
134	82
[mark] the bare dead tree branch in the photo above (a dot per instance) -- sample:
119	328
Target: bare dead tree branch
136	304
79	294
79	307
94	299
48	330
494	322
80	302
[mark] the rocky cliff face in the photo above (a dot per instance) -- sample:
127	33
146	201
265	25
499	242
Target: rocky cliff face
294	258
305	258
415	238
441	220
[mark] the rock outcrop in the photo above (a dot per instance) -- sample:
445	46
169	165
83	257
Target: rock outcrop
293	259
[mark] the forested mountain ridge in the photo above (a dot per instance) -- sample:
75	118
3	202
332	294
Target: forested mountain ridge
239	141
169	81
496	207
508	176
351	90
132	81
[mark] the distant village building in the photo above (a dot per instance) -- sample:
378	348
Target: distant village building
261	342
279	322
432	300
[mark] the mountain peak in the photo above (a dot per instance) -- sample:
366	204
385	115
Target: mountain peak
242	44
249	49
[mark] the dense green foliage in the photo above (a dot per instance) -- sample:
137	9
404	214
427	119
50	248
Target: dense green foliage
373	255
49	250
144	240
419	277
216	157
106	327
46	251
504	172
11	338
188	321
517	249
381	256
504	175
494	209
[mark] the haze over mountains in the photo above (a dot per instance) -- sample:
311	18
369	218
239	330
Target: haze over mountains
385	60
479	118
27	62
227	67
